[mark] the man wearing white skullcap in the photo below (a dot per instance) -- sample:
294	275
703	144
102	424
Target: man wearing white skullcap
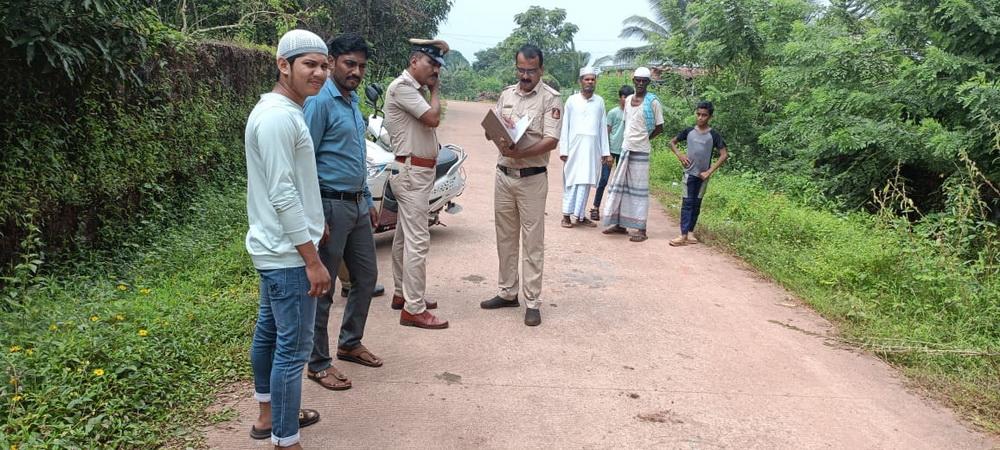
583	147
286	226
628	194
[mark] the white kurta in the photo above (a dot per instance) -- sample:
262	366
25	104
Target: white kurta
583	139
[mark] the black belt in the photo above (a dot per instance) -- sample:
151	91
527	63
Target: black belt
521	173
338	195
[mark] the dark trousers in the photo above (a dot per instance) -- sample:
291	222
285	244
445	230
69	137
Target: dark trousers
603	183
351	239
691	203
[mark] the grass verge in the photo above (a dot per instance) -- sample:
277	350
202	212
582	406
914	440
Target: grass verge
125	351
905	298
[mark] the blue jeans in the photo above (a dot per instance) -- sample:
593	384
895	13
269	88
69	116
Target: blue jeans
281	345
603	183
693	189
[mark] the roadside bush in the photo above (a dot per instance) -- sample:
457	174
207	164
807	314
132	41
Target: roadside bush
98	164
125	353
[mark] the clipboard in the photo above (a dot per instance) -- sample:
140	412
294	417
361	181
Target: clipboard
504	138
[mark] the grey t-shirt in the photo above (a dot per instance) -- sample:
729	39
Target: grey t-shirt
699	148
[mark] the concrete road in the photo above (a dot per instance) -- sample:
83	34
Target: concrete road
642	346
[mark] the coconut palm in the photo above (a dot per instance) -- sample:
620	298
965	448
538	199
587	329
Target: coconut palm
667	15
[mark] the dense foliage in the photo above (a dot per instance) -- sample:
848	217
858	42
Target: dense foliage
126	350
387	24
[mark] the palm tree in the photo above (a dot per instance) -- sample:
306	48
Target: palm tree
668	15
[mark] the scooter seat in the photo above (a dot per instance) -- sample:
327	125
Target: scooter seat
445	160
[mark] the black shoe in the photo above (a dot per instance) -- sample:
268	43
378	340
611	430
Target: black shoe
532	317
497	302
379	290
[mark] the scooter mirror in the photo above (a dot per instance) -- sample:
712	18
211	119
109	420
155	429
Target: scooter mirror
373	92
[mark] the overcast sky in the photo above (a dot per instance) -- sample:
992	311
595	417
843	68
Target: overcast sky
474	25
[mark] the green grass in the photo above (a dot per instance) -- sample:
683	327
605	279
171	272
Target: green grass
906	298
126	351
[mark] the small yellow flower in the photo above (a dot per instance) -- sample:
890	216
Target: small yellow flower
12	446
190	316
98	372
66	369
121	287
94	318
165	323
17	398
143	332
15	349
13	380
53	327
29	351
232	291
215	294
145	291
120	317
79	370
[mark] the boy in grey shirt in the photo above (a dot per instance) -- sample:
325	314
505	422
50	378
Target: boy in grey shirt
702	140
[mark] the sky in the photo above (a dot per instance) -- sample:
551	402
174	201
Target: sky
474	25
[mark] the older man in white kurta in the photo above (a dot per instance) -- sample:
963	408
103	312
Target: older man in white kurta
583	147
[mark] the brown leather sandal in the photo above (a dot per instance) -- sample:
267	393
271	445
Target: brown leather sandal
359	355
331	378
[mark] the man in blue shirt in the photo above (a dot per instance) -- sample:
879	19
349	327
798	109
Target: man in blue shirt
338	132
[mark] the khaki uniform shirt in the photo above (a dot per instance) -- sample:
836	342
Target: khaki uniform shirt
404	104
545	107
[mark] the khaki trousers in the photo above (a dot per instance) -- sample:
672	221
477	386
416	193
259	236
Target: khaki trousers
519	208
412	187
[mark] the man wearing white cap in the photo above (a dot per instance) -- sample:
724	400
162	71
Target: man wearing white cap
286	226
583	147
628	194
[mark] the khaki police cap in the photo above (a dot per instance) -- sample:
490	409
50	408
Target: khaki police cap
435	48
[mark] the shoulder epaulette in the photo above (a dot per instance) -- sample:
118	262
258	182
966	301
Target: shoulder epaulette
550	90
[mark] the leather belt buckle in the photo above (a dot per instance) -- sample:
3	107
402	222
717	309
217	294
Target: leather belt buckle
510	172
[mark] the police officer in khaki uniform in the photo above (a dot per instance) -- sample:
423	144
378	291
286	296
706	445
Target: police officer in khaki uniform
411	120
522	185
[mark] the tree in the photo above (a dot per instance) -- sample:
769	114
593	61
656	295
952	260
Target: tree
544	28
79	39
668	16
387	24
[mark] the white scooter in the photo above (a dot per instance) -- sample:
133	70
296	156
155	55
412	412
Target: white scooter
448	183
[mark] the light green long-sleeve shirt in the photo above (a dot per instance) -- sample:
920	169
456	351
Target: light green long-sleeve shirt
283	202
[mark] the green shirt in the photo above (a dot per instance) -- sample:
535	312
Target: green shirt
616	120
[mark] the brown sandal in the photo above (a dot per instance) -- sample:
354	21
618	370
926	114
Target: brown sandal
359	355
615	230
331	378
